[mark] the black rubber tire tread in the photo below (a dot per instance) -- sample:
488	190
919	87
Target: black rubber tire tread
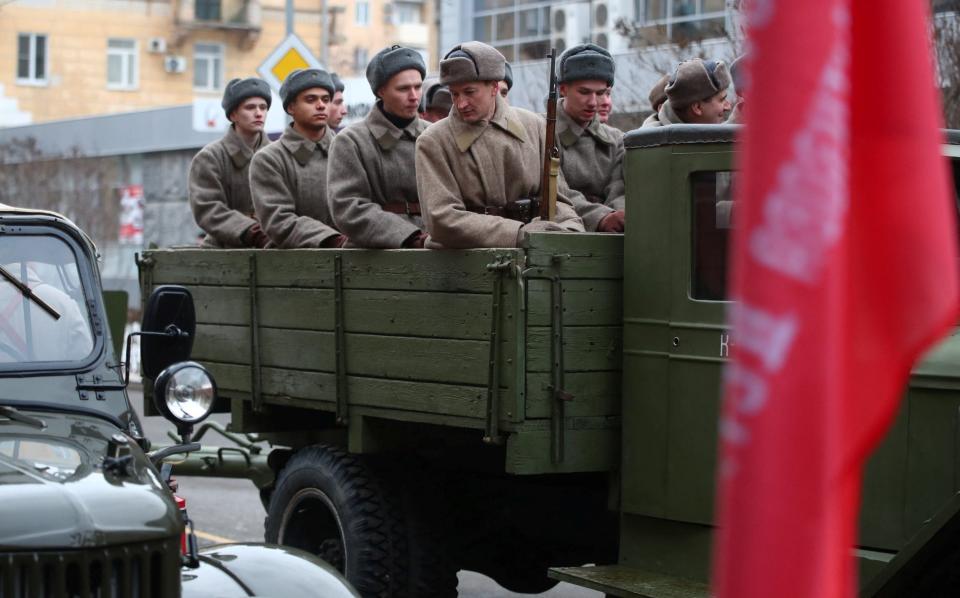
418	498
373	537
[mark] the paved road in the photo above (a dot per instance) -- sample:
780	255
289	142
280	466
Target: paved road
225	510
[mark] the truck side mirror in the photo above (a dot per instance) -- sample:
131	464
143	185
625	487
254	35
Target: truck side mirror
168	327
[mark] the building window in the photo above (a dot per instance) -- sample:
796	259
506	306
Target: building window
122	64
206	10
683	20
362	15
32	58
519	33
207	67
360	59
406	13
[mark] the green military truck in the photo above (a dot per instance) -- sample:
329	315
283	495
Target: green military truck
514	411
85	506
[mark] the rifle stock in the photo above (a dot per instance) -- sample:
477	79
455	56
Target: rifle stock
551	154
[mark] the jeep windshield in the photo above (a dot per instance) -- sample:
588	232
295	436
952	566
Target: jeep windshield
43	308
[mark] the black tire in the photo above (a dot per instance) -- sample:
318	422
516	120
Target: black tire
326	502
418	499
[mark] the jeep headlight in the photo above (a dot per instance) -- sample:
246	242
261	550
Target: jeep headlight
185	392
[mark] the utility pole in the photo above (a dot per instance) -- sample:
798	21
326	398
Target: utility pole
325	33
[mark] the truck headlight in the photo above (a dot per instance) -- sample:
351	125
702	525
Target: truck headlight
185	392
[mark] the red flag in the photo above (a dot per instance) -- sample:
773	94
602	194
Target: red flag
844	271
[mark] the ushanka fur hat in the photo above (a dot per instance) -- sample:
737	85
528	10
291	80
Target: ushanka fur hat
390	61
303	79
337	83
237	90
435	95
696	80
585	61
658	95
472	61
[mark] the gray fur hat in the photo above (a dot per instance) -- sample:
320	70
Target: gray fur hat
390	61
696	80
585	61
737	73
337	83
508	75
472	61
435	95
302	79
658	95
237	90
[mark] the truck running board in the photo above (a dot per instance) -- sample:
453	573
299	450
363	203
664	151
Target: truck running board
627	582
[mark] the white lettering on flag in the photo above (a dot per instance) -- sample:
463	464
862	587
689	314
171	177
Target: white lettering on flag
766	336
803	216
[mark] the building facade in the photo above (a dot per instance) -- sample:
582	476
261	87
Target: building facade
73	58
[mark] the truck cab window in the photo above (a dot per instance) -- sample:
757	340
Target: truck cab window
712	218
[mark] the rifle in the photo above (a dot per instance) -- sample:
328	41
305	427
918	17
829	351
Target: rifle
551	154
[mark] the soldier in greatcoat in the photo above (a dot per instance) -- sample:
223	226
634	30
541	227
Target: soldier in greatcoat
507	84
339	109
289	178
219	185
435	101
591	153
657	96
740	89
373	188
696	94
478	169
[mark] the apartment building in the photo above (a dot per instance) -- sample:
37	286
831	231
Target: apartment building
73	58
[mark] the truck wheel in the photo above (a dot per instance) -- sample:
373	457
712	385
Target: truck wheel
326	502
419	499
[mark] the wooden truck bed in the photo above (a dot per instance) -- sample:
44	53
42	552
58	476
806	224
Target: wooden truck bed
420	336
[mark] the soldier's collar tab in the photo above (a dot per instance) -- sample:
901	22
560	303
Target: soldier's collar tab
240	153
387	134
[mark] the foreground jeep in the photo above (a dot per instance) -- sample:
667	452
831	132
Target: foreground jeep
84	509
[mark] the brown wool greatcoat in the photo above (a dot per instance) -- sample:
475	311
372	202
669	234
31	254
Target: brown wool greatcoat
218	189
666	116
288	180
373	166
591	158
485	164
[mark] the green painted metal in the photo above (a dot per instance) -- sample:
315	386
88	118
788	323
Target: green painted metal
115	305
628	582
431	337
341	341
255	373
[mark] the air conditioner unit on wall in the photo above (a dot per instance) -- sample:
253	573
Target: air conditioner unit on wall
569	25
606	14
156	45
174	64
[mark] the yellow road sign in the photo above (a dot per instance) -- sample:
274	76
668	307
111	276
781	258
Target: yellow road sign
289	55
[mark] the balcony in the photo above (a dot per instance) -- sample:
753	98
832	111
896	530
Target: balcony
243	16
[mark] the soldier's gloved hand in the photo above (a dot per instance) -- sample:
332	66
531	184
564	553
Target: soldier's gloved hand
334	242
537	226
416	240
612	222
255	237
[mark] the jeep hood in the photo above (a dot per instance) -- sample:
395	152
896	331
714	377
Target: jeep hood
55	491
